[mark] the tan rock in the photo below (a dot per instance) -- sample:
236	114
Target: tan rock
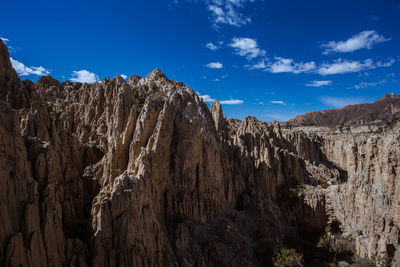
142	173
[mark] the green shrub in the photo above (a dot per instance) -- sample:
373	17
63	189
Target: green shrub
159	96
288	258
324	185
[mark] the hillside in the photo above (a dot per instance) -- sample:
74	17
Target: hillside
359	114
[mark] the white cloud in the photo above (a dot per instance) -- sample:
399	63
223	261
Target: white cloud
11	49
23	70
211	46
280	102
224	76
5	40
319	83
247	47
339	102
362	40
123	76
341	66
231	102
260	65
214	65
216	80
388	63
338	66
84	76
206	98
228	12
369	84
288	65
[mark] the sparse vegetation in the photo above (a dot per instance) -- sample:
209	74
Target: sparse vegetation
159	96
288	257
324	185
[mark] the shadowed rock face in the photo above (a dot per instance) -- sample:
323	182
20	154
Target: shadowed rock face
141	173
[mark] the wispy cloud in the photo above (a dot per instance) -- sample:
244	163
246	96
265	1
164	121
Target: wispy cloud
339	102
388	63
207	98
123	76
231	102
341	66
228	12
214	65
211	46
221	78
289	65
280	102
247	47
84	76
369	84
257	66
318	83
5	40
23	70
338	66
362	40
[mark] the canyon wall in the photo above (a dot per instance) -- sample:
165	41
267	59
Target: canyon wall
367	205
143	173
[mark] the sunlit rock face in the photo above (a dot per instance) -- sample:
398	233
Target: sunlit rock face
142	173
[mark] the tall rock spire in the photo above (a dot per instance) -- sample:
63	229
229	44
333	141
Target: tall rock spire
217	115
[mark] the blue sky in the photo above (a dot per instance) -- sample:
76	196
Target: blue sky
269	59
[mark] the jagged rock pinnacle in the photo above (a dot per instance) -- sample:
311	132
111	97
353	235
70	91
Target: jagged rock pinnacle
217	115
156	74
144	174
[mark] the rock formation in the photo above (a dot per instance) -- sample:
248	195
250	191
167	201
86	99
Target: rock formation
142	173
360	114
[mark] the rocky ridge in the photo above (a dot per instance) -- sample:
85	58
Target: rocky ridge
382	109
142	173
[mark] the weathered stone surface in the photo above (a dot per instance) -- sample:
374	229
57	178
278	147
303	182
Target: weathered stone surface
367	205
365	199
142	173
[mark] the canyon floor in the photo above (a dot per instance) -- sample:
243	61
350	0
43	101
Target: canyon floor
143	173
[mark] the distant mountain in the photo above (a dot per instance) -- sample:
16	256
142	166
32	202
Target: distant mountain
383	108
